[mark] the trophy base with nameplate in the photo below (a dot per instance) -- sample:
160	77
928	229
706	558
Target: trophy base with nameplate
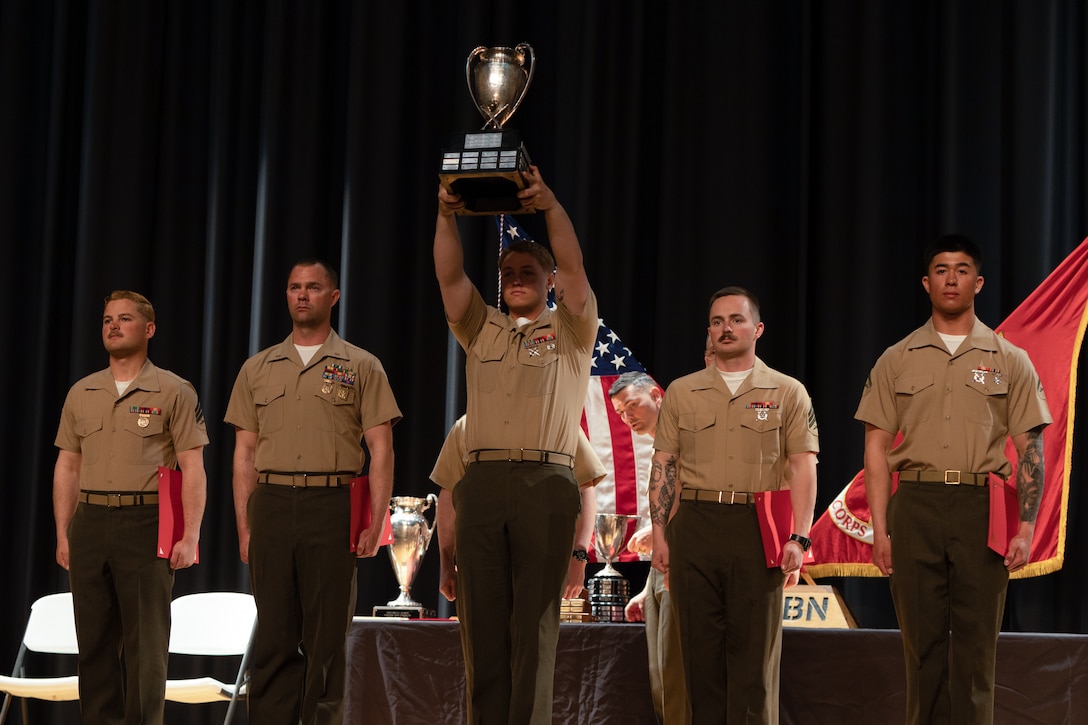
485	169
608	597
401	612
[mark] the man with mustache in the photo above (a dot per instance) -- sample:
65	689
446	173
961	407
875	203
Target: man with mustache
724	433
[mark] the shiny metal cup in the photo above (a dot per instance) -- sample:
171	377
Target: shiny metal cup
611	532
498	79
411	536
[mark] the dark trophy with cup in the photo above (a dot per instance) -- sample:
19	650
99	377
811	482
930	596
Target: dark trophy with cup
609	591
485	167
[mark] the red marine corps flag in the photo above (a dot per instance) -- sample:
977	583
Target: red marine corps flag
625	454
1050	326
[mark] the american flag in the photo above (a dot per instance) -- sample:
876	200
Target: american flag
626	455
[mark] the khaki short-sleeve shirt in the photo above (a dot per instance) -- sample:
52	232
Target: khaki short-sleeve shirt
739	441
527	386
450	467
311	418
123	440
955	411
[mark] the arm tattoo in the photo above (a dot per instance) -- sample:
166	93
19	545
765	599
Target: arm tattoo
1029	476
662	480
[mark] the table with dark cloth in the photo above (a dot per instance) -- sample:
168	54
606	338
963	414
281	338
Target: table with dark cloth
412	672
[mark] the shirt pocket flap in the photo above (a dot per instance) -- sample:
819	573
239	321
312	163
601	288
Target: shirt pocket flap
697	421
913	384
267	393
86	426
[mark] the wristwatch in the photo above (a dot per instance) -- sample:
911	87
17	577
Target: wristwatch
581	555
804	541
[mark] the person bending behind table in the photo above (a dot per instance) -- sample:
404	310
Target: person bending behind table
116	428
636	398
450	468
723	434
957	391
527	373
300	410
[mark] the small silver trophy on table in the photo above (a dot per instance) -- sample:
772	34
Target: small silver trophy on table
411	536
485	167
609	592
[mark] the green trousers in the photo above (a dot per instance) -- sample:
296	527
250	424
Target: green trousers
948	588
729	605
302	571
515	534
121	592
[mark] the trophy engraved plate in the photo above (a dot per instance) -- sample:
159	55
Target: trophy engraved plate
485	168
609	591
411	536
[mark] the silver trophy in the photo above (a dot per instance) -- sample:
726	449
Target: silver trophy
485	167
609	591
411	536
498	79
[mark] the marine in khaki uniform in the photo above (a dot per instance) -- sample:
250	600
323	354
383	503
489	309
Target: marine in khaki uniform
450	468
725	432
957	391
300	410
117	427
527	374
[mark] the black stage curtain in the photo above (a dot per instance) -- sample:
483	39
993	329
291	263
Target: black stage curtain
194	149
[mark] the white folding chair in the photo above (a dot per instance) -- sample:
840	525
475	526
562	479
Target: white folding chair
50	629
211	624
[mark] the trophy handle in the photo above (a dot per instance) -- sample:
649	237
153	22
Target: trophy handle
520	50
473	58
432	501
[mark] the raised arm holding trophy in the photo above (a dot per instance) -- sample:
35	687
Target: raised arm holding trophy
526	373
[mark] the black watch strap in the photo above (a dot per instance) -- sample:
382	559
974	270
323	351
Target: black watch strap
804	541
580	554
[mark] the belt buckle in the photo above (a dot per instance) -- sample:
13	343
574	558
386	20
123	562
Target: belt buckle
110	498
950	482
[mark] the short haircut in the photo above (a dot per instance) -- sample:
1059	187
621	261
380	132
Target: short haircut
952	243
753	302
143	305
539	252
636	380
334	278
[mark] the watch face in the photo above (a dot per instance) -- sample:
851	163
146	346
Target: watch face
580	555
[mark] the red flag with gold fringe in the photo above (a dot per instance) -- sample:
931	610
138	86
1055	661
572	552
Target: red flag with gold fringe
1050	326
